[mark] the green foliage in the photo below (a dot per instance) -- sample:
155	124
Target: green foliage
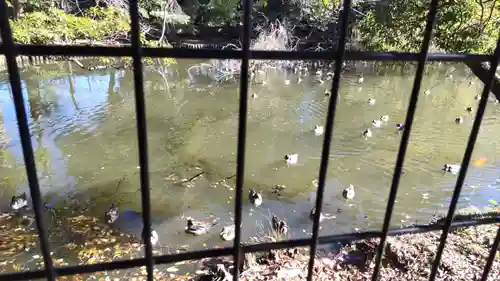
54	25
461	26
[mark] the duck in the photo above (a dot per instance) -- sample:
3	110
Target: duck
154	236
255	197
459	120
112	214
19	202
327	92
319	130
427	92
291	158
197	227
313	213
319	72
361	79
400	127
367	133
280	226
228	233
299	80
321	81
477	97
453	168
254	96
128	221
469	109
371	101
348	193
384	118
376	123
287	82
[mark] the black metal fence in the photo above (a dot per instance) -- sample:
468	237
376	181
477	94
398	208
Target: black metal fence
11	50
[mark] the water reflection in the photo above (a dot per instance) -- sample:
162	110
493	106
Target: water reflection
84	135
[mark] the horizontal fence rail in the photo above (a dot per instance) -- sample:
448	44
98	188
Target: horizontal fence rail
11	50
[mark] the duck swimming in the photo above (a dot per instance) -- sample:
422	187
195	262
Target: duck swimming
361	79
279	225
313	213
400	127
319	130
459	120
228	233
154	236
453	168
371	101
112	214
469	109
255	197
367	133
384	118
197	227
348	193
291	158
19	202
377	123
128	221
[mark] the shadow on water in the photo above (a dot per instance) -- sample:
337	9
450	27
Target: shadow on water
83	130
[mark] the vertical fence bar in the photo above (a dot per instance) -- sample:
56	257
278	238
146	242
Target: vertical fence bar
140	109
406	135
24	133
242	124
330	121
466	159
491	257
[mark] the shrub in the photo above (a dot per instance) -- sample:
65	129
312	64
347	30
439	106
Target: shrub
461	26
53	25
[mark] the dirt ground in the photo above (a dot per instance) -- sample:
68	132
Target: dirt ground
407	257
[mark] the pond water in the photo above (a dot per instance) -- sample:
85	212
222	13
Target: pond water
84	134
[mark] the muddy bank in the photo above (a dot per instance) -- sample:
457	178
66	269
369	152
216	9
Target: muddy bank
407	257
89	241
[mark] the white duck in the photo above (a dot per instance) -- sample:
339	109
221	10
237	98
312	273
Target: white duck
255	197
453	168
376	123
371	101
319	130
367	133
292	158
384	118
348	193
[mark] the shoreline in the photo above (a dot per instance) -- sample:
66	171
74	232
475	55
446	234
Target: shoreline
407	256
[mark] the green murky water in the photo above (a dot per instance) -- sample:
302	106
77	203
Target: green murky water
84	132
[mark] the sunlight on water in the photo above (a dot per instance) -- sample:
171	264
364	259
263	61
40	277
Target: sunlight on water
84	132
